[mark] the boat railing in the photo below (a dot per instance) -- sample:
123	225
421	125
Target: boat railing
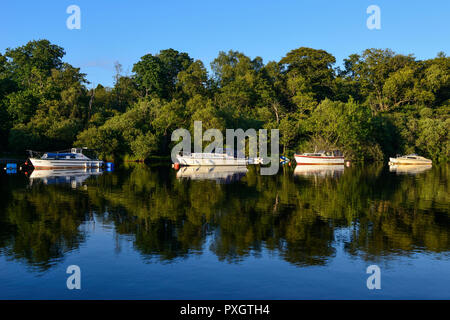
214	155
35	154
333	153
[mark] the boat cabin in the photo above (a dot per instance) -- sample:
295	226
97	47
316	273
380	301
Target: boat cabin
75	153
333	153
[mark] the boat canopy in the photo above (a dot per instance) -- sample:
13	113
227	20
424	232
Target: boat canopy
72	153
332	153
59	155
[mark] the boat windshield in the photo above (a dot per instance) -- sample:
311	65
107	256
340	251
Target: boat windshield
313	154
334	153
50	155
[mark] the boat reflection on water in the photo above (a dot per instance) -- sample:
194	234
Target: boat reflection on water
319	170
410	169
221	174
74	177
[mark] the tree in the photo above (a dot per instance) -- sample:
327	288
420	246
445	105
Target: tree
309	70
34	61
144	145
433	138
372	69
194	80
346	126
157	75
378	104
151	76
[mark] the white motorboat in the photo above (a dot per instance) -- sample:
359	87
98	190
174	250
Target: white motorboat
70	159
320	158
211	159
411	159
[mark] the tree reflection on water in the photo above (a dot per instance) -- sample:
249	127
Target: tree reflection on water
295	216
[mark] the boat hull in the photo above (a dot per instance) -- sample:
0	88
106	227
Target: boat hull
65	164
318	160
197	161
399	161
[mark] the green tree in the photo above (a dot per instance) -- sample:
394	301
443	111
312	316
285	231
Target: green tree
309	71
157	74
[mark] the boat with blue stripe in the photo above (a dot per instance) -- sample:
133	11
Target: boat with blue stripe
67	159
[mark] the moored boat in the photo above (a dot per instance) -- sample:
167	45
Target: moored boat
411	159
320	158
69	159
211	159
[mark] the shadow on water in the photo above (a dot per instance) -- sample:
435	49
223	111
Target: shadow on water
172	215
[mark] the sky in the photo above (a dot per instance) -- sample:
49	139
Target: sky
124	31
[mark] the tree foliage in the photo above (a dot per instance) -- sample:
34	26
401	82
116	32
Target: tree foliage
377	104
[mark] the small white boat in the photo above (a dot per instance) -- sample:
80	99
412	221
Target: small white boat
411	159
72	159
211	159
320	158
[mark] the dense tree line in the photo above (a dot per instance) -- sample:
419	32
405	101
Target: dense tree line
376	105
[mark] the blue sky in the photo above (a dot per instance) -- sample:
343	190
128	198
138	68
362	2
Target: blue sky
126	30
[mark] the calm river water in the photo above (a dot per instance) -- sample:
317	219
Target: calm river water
150	232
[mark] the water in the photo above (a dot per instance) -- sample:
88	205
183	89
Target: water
150	232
